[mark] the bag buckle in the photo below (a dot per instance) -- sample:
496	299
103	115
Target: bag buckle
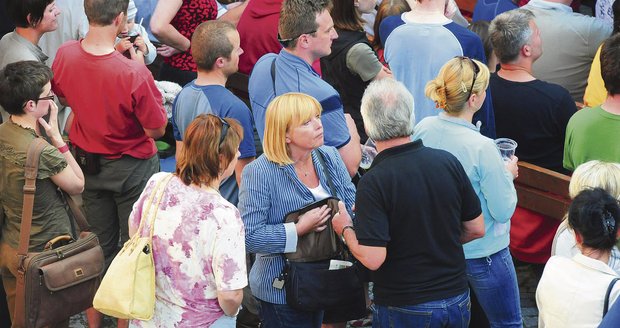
21	260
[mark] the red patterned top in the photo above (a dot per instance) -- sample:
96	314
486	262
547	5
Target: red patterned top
189	16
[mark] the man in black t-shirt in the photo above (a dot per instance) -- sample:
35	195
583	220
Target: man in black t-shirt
533	113
415	208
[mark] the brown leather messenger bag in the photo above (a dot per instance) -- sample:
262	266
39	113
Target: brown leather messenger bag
60	281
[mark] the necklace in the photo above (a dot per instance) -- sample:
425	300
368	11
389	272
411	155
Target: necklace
300	170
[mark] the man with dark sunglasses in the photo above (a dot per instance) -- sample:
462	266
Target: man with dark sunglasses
306	31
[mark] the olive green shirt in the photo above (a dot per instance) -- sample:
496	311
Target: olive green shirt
50	217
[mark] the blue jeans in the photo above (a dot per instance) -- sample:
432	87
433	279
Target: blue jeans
284	316
494	280
451	312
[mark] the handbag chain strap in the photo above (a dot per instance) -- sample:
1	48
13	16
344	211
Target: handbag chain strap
328	176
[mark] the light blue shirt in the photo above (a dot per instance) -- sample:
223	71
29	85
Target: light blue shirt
268	192
485	168
417	51
293	74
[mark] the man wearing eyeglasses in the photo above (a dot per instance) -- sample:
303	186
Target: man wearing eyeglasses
117	112
306	30
216	51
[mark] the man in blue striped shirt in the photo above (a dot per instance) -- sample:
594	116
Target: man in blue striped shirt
291	71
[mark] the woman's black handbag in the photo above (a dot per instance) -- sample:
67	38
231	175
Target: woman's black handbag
310	284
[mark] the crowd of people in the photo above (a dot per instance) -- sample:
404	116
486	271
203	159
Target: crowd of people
434	222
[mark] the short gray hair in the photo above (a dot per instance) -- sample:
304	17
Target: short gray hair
387	110
509	32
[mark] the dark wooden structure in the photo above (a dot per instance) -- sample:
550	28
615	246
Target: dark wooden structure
542	190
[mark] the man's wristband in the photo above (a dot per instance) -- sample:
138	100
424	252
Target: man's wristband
63	149
345	229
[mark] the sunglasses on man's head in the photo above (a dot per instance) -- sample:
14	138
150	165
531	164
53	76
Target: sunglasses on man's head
285	42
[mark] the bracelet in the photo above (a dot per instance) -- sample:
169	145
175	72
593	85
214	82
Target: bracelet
343	230
63	149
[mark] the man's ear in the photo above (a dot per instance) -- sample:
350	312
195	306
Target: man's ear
303	41
119	19
219	62
526	50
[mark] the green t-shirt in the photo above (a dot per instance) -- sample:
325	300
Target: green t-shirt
50	217
592	133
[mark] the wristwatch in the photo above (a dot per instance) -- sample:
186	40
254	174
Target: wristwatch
343	230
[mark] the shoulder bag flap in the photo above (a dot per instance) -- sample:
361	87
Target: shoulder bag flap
315	246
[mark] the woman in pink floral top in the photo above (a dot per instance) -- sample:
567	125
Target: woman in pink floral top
198	239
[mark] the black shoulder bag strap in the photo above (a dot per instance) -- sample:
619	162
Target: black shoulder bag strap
273	75
611	286
326	172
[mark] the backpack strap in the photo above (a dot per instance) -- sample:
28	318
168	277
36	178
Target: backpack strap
273	75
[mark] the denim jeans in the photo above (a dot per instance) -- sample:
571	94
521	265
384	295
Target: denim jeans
494	280
284	316
451	312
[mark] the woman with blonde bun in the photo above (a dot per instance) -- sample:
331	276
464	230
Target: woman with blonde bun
459	91
592	174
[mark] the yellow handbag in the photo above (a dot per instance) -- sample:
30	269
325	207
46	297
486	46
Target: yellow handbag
127	290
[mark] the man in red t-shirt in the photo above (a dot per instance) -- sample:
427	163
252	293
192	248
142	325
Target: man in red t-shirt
117	112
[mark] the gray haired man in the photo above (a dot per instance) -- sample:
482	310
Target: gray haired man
415	208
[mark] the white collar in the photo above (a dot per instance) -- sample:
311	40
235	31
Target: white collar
594	264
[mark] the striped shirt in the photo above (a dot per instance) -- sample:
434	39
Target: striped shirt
268	192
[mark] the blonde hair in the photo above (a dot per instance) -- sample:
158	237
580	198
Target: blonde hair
596	174
450	89
285	112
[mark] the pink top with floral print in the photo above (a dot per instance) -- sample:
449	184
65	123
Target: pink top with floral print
198	248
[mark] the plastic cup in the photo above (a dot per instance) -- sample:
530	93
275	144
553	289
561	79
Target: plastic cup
506	147
369	152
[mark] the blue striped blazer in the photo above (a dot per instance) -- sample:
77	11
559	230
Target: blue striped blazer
268	192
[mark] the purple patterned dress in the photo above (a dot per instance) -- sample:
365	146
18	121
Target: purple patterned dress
198	247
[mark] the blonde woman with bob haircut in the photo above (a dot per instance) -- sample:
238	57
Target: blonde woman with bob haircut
198	236
288	176
592	174
459	91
